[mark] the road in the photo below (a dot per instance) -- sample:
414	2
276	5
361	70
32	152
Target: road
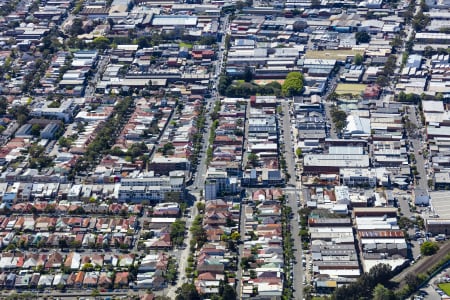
101	66
293	196
416	138
240	250
182	259
75	295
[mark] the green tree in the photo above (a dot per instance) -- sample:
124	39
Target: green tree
298	152
35	130
187	292
420	21
200	207
382	293
248	74
235	236
253	158
358	60
333	96
382	80
77	27
362	37
143	42
177	230
429	248
293	84
339	118
101	43
228	293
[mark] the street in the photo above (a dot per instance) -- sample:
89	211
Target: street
419	147
292	197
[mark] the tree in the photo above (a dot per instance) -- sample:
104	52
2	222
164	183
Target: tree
339	118
382	81
358	60
248	74
429	248
177	230
228	293
235	236
420	21
428	52
382	293
362	37
200	207
293	84
77	27
143	42
35	129
333	96
253	158
365	285
412	280
101	43
298	152
187	292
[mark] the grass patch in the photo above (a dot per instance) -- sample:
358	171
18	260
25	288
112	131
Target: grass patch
332	54
187	45
350	88
445	287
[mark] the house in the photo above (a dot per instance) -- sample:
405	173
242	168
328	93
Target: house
121	279
104	280
46	280
91	279
54	260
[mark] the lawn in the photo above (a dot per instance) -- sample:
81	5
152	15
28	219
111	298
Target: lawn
187	45
350	88
332	54
445	287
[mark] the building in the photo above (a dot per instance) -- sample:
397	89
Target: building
332	163
64	112
421	197
165	165
151	188
49	131
218	183
358	177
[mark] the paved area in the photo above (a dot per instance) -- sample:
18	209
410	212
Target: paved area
292	198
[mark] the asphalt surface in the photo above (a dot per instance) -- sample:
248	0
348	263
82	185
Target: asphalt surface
292	197
240	250
418	145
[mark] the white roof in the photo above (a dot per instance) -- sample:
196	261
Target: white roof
355	124
174	21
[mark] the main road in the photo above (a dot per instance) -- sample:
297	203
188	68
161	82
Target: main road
293	197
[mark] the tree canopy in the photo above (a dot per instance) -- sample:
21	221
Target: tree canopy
187	292
429	248
339	118
365	286
362	37
358	60
293	84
